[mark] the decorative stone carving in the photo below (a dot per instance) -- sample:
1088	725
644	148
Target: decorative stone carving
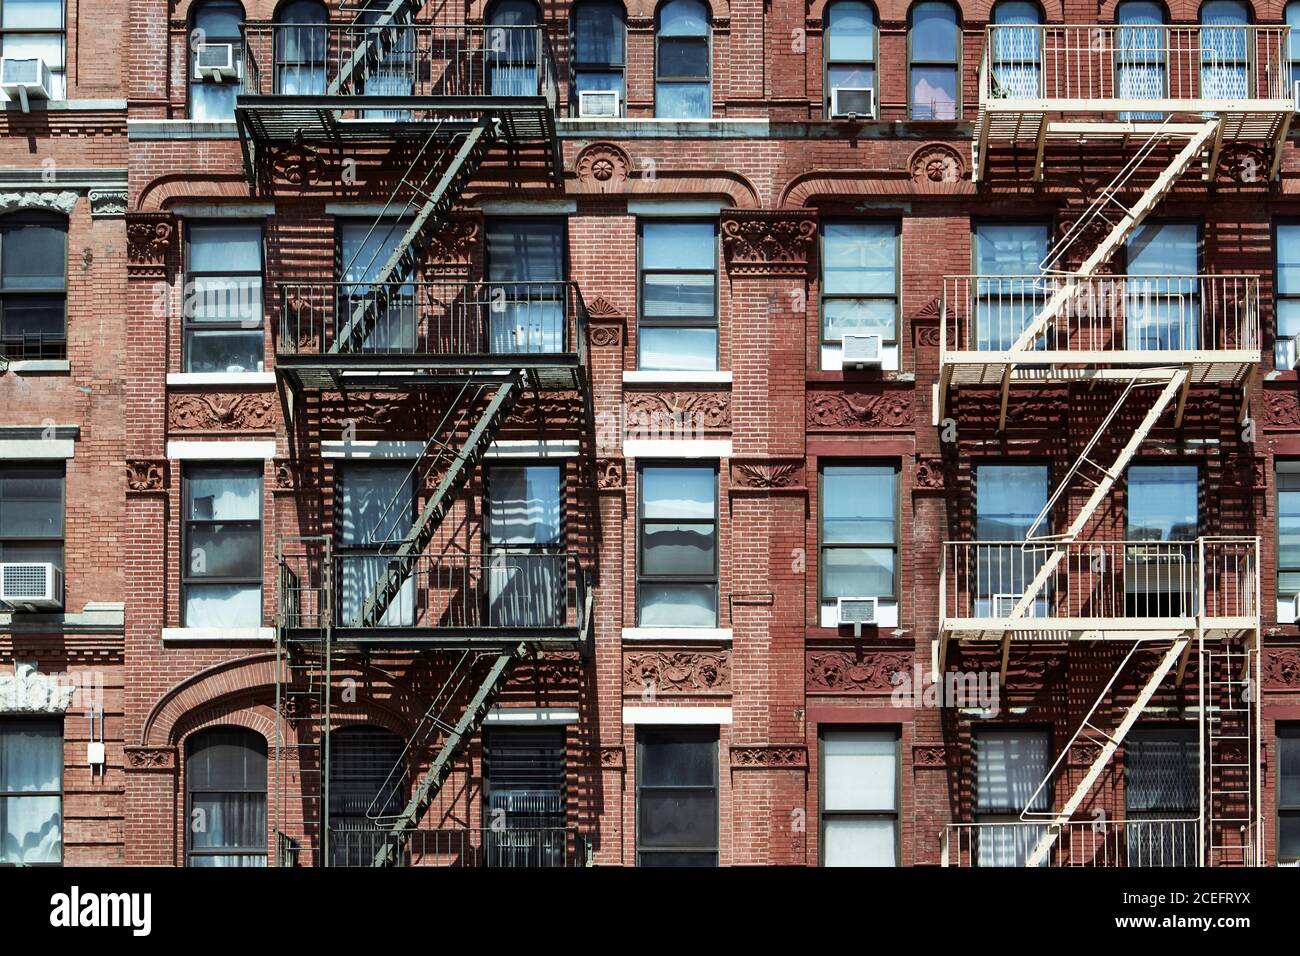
677	672
58	200
926	757
1282	668
602	168
835	410
610	474
670	414
298	165
151	758
1084	754
768	242
1244	474
604	336
1242	163
240	411
848	672
767	474
770	756
455	243
930	474
937	166
606	323
149	238
144	476
293	475
612	758
1282	409
107	203
28	691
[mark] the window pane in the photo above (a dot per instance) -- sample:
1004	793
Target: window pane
376	504
32	831
688	760
219	19
225	248
227	820
224	494
33	256
685	59
861	770
859	504
524	505
525	250
1007	500
668	295
682	100
598	33
225	299
860	258
588	82
934	92
678	349
1288	837
226	758
1288	758
224	551
31	755
934	32
678	492
31	14
678	549
224	351
34	317
1169	248
1288	259
223	605
851	32
31	503
851	77
849	842
684	18
1162	502
678	605
1009	766
213	101
1161	772
860	316
363	252
43	46
678	245
678	818
857	572
1010	249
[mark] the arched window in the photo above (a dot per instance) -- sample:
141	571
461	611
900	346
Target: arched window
1293	51
35	30
367	791
933	60
513	41
599	52
1225	50
682	88
1015	43
300	43
225	798
215	24
850	53
1141	43
33	286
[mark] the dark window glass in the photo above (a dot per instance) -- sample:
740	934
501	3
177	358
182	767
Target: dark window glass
524	797
31	790
527	565
223	297
599	53
678	546
1288	793
1014	41
367	791
934	45
376	509
677	797
1288	528
1009	767
526	264
1141	48
31	513
682	88
221	577
1161	797
225	784
215	21
514	44
301	42
678	296
33	287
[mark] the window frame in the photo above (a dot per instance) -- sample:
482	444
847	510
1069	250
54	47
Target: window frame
7	469
709	733
35	217
823	296
678	322
828	62
577	66
983	300
1278	295
822	546
955	64
189	324
191	54
1247	63
191	792
999	462
706	40
1000	815
1282	466
188	579
62	31
715	577
1288	731
1159	57
1160	463
282	27
6	795
896	815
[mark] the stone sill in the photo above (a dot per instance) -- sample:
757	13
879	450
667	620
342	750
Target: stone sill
222	635
678	635
40	367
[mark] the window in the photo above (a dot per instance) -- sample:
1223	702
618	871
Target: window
1286	347
513	42
678	292
31	513
222	580
1162	308
1225	50
1162	502
1008	501
376	508
364	248
1293	48
393	74
32	30
1009	767
677	796
677	560
223	297
859	291
1010	255
225	787
1288	530
1141	43
527	257
528	568
524	797
301	39
599	49
859	533
33	287
31	790
215	21
934	50
367	783
850	48
1288	793
1015	46
682	61
1161	797
859	798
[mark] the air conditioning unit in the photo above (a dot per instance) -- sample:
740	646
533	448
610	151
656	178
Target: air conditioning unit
853	102
25	79
1004	604
216	62
860	350
856	610
1288	609
36	587
599	103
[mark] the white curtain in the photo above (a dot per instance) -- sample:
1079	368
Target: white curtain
527	568
1009	766
376	507
364	248
31	760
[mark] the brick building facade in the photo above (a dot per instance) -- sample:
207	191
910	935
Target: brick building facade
499	488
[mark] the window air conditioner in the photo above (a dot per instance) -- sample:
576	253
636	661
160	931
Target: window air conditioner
215	61
853	102
860	350
36	587
25	79
598	103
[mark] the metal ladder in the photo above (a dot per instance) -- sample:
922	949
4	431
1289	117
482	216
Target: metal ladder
380	38
1231	767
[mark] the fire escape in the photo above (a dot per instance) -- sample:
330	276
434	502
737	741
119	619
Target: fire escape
1168	99
448	98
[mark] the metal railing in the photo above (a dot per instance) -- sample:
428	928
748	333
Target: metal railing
987	313
1173	842
448	61
510	588
435	318
525	847
287	850
1211	578
33	345
1123	63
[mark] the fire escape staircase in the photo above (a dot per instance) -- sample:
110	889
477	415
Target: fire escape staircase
381	38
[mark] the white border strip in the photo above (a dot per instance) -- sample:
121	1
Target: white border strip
29	448
527	448
684	448
677	634
183	634
531	715
677	715
216	450
220	378
673	207
371	449
676	378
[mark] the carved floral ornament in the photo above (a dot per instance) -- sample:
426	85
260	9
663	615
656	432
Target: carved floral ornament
667	413
775	242
146	476
149	238
610	474
677	672
930	474
770	757
838	410
602	168
929	757
240	411
937	167
55	200
767	475
1282	668
150	758
848	672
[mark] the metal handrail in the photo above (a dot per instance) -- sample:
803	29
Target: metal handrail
1132	842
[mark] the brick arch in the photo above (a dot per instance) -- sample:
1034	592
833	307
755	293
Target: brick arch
847	184
971	11
225	688
1189	11
163	190
260	719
